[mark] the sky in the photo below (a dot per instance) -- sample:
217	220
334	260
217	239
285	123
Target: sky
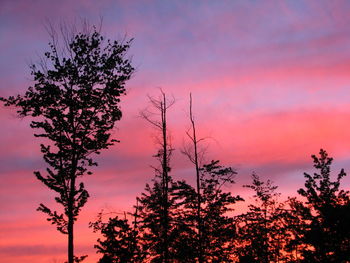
270	84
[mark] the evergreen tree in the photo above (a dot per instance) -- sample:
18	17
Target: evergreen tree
185	241
120	241
151	223
75	100
325	215
219	227
295	226
263	229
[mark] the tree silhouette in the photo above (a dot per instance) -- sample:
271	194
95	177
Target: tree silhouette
295	226
325	215
205	206
194	155
218	227
120	243
75	100
156	203
152	223
262	230
185	237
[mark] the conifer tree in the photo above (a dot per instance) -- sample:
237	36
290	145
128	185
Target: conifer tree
218	226
324	216
120	241
262	230
152	221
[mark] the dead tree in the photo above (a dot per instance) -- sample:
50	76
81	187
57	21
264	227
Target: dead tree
195	155
157	117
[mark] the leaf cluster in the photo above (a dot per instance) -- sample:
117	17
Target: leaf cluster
74	103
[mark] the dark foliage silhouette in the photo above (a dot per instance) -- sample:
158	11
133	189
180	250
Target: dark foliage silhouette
151	223
120	241
312	230
75	102
219	227
155	205
168	211
324	231
262	230
206	205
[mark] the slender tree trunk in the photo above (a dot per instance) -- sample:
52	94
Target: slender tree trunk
135	215
266	255
71	222
71	192
164	155
70	241
165	182
199	201
278	249
137	254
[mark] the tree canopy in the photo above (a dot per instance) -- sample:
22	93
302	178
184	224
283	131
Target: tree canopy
75	103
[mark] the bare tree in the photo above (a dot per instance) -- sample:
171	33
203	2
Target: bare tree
194	154
156	115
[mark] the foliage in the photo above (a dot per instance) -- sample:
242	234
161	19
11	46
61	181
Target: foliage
314	230
75	102
120	243
218	230
262	230
325	215
151	221
156	204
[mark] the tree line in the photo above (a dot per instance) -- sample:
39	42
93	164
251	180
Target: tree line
74	104
174	221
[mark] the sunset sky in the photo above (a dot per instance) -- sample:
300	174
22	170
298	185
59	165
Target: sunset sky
270	82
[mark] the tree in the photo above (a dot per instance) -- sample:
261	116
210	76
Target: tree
194	155
152	222
324	215
184	235
155	204
262	233
205	206
75	103
120	243
218	227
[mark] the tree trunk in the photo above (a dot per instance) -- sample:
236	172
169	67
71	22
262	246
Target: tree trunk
163	156
70	241
199	201
165	182
71	222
